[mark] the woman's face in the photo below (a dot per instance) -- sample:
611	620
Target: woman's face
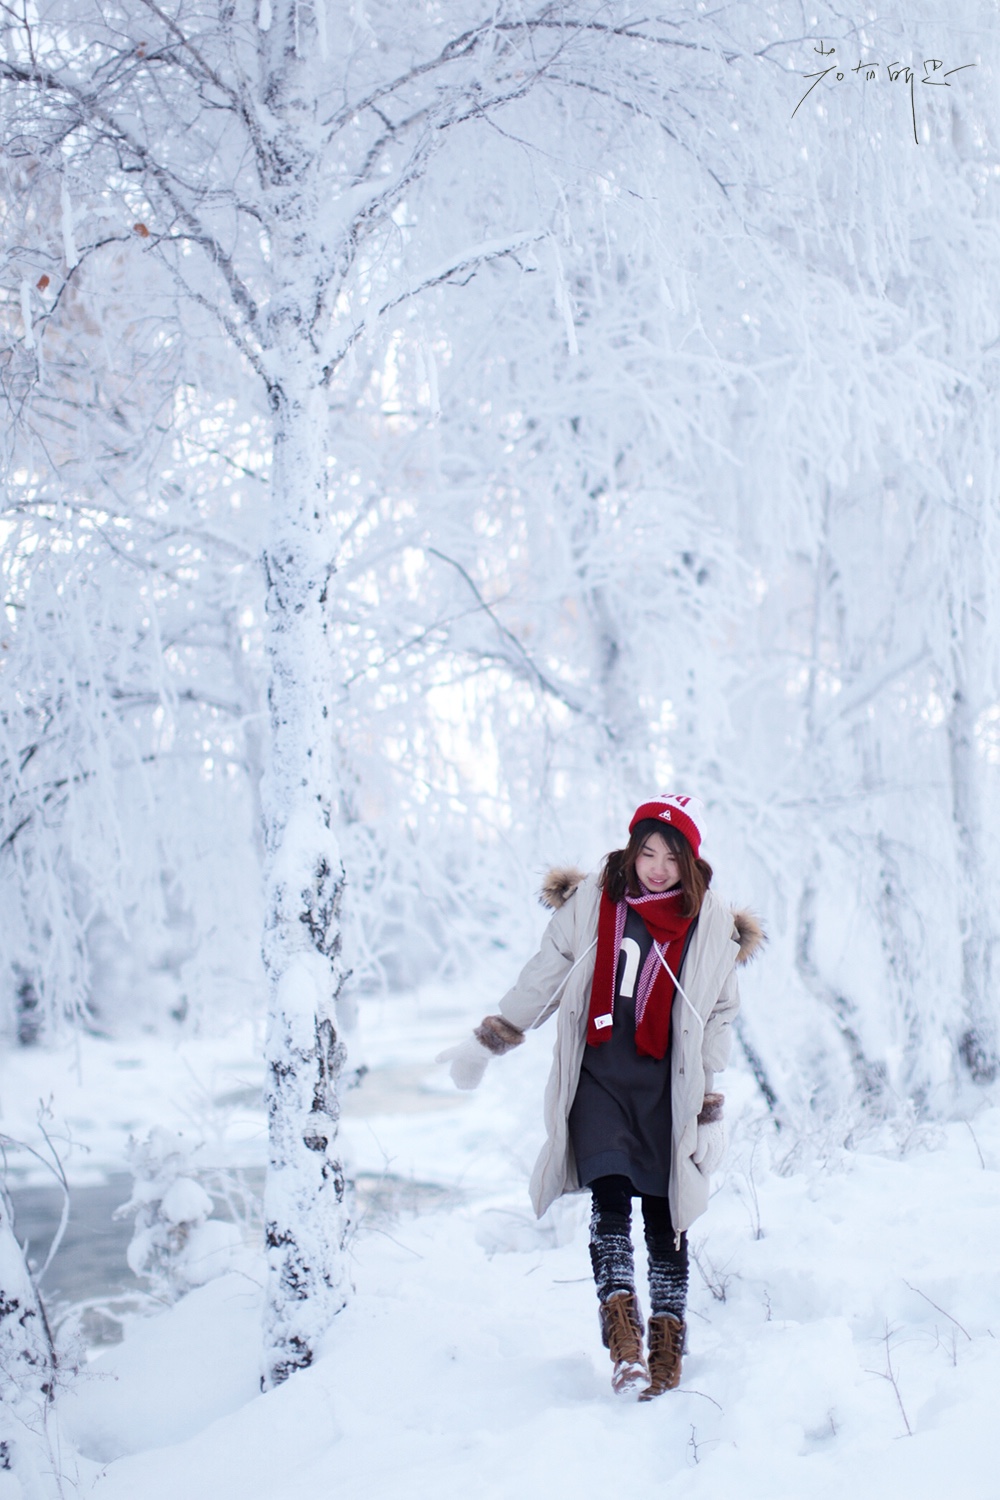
656	865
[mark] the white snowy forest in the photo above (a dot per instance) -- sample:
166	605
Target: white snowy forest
431	429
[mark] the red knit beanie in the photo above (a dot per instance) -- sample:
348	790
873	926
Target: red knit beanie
683	813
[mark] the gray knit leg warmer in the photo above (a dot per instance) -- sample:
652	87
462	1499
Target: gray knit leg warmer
668	1275
611	1257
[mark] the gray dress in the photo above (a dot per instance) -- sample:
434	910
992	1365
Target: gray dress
620	1119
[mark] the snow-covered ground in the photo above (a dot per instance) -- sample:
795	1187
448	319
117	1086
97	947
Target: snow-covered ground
843	1328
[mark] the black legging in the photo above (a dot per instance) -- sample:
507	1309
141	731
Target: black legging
611	1246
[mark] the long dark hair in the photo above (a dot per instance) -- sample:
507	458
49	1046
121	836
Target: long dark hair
619	874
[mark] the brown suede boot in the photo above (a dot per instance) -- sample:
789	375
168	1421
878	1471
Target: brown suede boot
666	1345
621	1329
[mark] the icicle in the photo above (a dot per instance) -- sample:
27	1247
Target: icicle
321	32
434	396
29	332
595	276
360	17
264	15
563	300
69	243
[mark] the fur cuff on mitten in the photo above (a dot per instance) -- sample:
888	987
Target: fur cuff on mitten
498	1035
711	1108
711	1144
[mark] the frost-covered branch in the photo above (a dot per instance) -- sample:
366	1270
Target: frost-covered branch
467	261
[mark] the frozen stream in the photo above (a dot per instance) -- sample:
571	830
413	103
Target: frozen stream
90	1269
90	1261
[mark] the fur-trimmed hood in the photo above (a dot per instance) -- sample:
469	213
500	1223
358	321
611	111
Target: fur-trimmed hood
561	882
558	885
751	934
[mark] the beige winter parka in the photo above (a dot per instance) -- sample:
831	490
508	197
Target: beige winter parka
559	978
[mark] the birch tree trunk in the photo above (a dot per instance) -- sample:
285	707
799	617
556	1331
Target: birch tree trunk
977	1043
305	1213
304	1198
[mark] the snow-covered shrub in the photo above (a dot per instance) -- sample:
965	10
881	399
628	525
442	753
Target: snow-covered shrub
177	1245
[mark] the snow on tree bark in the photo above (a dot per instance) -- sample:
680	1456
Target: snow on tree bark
304	1206
305	1211
27	1359
977	1044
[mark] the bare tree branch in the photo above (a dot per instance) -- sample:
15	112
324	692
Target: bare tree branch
520	655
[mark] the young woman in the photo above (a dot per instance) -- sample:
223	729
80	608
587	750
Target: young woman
639	961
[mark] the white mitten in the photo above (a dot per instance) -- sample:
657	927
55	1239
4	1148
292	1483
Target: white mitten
468	1062
711	1144
492	1038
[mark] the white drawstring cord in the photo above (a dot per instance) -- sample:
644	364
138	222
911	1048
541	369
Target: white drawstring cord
562	984
680	988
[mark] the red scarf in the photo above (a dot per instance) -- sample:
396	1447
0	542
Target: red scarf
655	989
